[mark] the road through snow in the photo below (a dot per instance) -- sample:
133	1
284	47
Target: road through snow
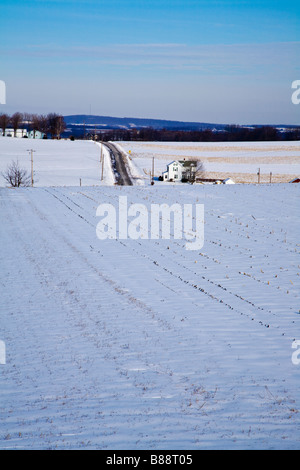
139	344
120	168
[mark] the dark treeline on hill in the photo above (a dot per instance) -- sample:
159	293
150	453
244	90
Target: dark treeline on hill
136	129
56	126
229	134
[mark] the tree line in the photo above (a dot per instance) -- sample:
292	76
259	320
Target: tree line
51	124
54	125
229	134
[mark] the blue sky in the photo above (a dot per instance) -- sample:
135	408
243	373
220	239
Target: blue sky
211	61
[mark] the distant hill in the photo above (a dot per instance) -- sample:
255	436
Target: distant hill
80	125
74	122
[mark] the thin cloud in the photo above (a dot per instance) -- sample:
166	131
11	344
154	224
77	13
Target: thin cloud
236	58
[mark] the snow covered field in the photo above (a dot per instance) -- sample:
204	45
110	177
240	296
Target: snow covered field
241	160
140	344
57	163
65	163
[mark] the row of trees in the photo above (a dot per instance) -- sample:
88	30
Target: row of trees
229	134
51	124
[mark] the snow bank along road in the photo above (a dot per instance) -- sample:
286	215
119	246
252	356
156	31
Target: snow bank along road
139	344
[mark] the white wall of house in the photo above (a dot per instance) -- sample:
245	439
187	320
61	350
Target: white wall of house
175	171
19	133
22	133
35	135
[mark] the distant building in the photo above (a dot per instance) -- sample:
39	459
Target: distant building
180	170
228	181
19	133
35	135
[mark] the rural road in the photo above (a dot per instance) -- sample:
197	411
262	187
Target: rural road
119	166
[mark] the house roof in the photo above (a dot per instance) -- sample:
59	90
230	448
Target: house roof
188	163
174	161
184	163
296	180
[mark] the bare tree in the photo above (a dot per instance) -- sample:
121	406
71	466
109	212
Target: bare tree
16	176
35	119
200	169
61	126
190	170
39	123
43	124
56	125
4	122
27	120
16	120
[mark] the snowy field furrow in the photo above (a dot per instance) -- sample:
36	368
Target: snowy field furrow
142	344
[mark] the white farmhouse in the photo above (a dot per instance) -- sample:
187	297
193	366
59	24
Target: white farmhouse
174	172
180	170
